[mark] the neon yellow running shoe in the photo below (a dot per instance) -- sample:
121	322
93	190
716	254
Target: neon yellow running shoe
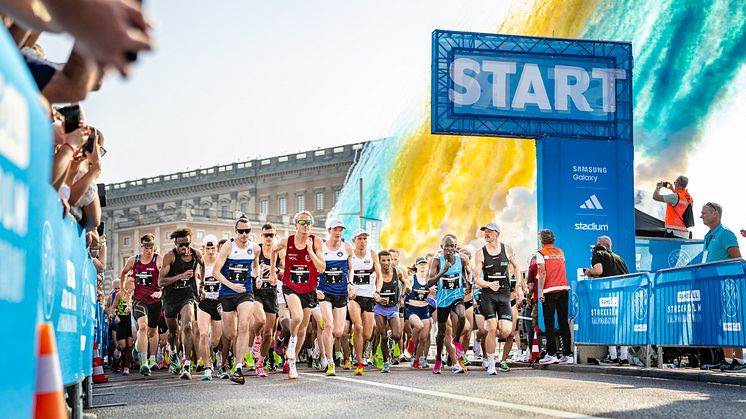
330	372
358	371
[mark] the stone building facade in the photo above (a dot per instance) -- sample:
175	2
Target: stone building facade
208	200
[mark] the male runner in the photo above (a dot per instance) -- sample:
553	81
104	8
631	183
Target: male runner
146	305
492	276
449	272
237	264
303	261
123	309
265	299
333	290
208	315
386	310
366	278
418	314
180	288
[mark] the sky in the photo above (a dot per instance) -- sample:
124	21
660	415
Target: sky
237	80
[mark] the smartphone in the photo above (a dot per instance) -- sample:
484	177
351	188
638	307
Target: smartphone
101	187
88	147
72	117
100	229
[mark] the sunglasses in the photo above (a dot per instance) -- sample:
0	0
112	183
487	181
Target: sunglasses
148	246
305	222
185	244
243	230
268	235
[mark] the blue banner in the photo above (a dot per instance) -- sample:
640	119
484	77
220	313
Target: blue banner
700	305
614	310
529	87
654	254
25	164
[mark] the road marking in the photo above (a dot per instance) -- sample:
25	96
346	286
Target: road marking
475	400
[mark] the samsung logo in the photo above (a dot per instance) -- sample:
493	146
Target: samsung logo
589	169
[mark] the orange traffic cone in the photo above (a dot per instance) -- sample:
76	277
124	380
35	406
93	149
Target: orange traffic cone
535	351
98	367
50	397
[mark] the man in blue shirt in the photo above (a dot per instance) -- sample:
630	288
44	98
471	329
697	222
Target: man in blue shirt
721	244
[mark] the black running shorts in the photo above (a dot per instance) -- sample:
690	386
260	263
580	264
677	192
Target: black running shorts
211	307
153	311
496	305
268	298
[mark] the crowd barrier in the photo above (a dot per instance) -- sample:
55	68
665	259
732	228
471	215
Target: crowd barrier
48	276
698	305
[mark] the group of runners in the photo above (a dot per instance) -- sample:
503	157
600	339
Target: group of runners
236	304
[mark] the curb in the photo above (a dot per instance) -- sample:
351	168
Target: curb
694	375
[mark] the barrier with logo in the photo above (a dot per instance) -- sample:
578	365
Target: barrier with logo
700	305
614	310
654	254
48	275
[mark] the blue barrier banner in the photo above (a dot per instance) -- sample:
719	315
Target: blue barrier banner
700	305
68	292
25	163
654	254
527	87
614	310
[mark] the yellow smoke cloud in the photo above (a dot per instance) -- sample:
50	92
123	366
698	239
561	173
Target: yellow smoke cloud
452	184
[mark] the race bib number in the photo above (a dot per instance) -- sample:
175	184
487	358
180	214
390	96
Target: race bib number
420	294
334	276
493	278
300	275
361	278
238	272
212	285
144	279
451	282
265	285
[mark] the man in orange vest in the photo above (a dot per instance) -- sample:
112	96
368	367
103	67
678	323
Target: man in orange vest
554	295
677	204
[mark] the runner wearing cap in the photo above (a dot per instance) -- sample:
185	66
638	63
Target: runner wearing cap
366	278
492	276
450	272
304	259
418	313
265	299
333	290
209	322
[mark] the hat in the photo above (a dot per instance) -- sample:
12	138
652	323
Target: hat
334	223
210	238
420	260
359	232
491	226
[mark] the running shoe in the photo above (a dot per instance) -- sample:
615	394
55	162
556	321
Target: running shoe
608	361
285	367
437	367
396	361
459	349
491	368
126	372
152	363
316	363
144	370
457	369
223	373
385	367
733	366
423	362
260	370
359	370
348	365
416	364
186	374
503	366
250	363
460	362
292	373
175	365
570	359
257	346
330	371
338	357
548	359
238	377
207	375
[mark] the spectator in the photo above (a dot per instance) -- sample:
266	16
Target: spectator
553	293
531	275
721	244
605	263
679	215
83	195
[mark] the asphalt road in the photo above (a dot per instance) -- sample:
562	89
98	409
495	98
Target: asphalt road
405	393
